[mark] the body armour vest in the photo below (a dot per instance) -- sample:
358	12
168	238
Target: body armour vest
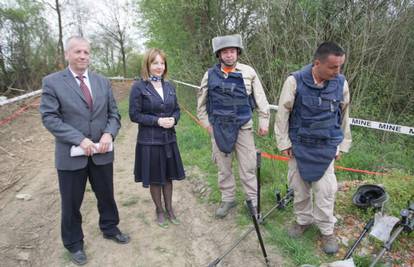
228	107
315	123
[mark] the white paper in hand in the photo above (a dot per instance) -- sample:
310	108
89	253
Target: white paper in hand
76	151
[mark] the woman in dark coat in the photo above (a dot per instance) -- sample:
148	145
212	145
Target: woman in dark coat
153	105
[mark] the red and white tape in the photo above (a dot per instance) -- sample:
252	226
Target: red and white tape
384	126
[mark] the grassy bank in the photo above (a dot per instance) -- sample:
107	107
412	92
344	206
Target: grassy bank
371	150
367	153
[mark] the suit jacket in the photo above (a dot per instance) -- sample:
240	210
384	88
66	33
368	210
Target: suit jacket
66	115
145	108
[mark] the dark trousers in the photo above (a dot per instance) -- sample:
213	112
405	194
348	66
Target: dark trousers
72	188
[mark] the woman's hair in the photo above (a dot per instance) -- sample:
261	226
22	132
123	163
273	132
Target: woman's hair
149	57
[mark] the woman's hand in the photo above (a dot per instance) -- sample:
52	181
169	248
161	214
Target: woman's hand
166	122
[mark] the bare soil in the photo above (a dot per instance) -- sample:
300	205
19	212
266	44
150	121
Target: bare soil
30	229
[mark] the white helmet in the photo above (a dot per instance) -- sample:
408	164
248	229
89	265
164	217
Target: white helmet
226	41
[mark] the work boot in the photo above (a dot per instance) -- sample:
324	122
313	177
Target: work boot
224	208
254	212
329	244
297	230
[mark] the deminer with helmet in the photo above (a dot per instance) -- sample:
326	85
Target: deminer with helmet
312	129
229	93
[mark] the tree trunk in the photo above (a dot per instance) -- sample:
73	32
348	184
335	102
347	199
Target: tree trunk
123	57
4	74
60	41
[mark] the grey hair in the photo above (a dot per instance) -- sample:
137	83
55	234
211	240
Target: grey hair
75	38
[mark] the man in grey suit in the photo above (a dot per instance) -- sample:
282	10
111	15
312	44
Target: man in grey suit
78	108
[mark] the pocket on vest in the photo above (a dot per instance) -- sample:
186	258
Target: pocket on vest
314	133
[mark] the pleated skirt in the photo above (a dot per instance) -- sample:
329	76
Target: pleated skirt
157	164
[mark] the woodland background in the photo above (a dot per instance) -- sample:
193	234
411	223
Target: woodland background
279	36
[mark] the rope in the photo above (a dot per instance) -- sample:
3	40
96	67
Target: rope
18	112
264	154
283	158
383	126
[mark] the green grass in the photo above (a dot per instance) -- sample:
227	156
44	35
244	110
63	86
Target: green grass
144	218
123	106
379	151
371	151
195	147
130	201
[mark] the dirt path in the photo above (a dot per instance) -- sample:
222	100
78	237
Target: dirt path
30	229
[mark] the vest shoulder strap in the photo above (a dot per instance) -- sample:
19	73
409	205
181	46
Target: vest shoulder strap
341	83
297	74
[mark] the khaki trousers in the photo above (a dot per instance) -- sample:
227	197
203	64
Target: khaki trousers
245	152
322	212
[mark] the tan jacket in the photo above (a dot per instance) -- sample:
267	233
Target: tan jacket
286	101
252	83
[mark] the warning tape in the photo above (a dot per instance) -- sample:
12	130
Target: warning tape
21	97
32	94
38	92
283	158
35	103
15	114
354	121
383	126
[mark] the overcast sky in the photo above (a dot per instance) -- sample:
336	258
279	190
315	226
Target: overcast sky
93	12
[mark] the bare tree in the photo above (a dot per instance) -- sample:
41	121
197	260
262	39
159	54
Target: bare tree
115	27
4	73
60	40
57	7
80	15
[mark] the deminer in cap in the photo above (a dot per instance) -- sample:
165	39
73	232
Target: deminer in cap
229	93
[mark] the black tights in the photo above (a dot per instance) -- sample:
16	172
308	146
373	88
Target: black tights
167	190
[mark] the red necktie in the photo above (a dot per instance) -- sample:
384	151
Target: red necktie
85	91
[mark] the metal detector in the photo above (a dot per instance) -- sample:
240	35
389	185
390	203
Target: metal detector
367	226
258	166
281	203
406	224
256	227
367	196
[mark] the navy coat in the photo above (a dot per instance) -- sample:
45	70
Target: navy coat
146	107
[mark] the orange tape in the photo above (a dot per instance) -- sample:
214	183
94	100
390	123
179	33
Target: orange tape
276	157
359	171
283	158
17	113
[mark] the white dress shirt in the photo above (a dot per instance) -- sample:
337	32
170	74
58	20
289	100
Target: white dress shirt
85	80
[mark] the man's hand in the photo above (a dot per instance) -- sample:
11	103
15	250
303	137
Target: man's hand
104	143
209	130
88	146
166	122
288	153
338	157
263	131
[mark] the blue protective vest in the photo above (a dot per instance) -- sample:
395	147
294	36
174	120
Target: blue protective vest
228	107
315	123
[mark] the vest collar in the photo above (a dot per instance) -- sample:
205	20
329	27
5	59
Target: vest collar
307	78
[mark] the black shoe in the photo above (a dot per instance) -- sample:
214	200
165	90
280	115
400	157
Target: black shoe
78	257
118	238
